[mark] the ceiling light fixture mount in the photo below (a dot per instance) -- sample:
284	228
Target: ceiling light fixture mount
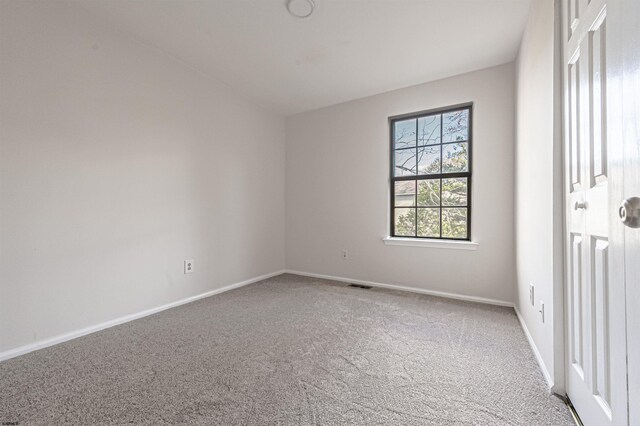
301	9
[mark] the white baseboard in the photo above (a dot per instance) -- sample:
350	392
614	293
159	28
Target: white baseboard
11	353
541	363
403	288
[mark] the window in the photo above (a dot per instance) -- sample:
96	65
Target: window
431	174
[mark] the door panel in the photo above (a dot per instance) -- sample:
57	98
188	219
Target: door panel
587	212
574	151
600	323
575	302
598	154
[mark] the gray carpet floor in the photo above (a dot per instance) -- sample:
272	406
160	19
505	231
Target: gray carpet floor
291	351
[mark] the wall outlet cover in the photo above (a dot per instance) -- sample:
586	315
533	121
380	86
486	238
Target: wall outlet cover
532	297
188	266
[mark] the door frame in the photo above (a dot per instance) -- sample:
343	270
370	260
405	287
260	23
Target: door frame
560	275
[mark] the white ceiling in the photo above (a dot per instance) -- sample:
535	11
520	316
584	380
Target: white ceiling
347	50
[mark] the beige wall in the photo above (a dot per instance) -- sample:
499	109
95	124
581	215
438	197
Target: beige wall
538	188
117	163
337	194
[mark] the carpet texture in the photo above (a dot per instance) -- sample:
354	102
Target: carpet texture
291	351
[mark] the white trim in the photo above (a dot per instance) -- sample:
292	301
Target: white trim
541	363
403	288
21	350
433	243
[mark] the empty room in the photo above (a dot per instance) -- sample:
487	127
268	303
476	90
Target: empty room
320	212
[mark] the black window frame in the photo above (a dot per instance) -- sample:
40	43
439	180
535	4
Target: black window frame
417	177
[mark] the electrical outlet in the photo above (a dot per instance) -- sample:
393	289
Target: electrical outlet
532	298
541	310
188	266
345	254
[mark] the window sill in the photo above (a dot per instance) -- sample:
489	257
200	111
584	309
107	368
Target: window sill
423	242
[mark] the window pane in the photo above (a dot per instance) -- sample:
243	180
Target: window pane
405	222
454	222
405	162
405	133
429	130
428	222
455	126
405	193
429	160
429	193
454	192
455	158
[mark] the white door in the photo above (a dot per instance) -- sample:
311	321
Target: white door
624	133
588	310
596	164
